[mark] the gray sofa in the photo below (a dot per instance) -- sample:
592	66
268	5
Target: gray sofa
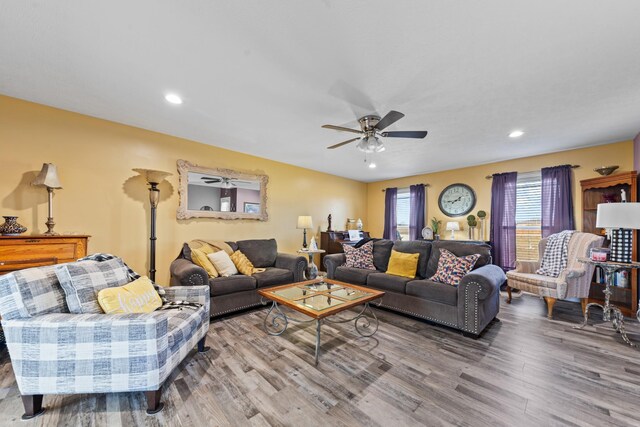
237	292
469	307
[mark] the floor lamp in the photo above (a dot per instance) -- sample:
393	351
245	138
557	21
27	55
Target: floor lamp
154	178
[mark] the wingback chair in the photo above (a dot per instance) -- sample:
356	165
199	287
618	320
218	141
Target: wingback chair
573	282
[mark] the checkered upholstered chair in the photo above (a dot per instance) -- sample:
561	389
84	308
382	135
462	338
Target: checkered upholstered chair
573	282
56	352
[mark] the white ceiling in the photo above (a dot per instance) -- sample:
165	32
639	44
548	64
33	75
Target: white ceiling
261	77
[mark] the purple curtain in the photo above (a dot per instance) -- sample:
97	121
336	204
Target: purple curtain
416	211
503	219
557	200
390	216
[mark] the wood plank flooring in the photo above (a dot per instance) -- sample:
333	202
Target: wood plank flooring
524	371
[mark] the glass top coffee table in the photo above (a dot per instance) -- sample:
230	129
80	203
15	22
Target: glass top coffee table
320	300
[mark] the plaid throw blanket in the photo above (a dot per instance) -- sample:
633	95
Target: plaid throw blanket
166	304
555	255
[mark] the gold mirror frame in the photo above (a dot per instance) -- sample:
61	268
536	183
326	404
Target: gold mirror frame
184	167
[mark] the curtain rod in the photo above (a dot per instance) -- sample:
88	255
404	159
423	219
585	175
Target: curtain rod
426	185
572	167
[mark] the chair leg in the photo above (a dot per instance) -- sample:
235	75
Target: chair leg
153	402
201	347
32	406
508	294
550	302
584	302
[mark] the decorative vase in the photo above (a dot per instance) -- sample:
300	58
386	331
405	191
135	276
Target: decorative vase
472	234
11	226
359	224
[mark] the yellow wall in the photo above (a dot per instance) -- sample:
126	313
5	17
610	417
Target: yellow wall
620	153
101	196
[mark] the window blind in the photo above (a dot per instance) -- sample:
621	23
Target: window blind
528	214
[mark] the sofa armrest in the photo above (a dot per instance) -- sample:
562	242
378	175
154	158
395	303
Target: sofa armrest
185	273
197	294
529	267
295	263
488	278
333	261
571	273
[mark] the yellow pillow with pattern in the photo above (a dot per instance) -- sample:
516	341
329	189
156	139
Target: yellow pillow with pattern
402	264
199	257
242	263
138	296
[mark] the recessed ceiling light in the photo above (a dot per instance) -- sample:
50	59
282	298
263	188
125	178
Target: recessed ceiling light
172	98
372	165
516	134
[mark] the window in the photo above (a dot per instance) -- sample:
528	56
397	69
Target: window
528	215
402	212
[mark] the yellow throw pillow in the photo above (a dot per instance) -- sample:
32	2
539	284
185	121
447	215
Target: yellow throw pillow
242	263
223	263
138	296
402	264
200	258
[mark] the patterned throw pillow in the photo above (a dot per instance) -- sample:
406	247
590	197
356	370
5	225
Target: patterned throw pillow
242	263
451	269
83	280
361	257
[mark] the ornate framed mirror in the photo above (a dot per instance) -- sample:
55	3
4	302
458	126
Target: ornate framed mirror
221	193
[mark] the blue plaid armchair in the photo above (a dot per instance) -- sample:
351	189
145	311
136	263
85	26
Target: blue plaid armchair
56	352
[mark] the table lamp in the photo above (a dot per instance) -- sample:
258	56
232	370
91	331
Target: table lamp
153	178
48	177
304	222
453	226
619	219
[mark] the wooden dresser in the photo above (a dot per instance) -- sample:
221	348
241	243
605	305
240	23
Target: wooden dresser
332	241
18	252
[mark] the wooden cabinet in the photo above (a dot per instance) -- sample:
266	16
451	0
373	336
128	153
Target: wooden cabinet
599	190
18	252
332	241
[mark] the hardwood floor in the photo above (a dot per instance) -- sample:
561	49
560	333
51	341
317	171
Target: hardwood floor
525	370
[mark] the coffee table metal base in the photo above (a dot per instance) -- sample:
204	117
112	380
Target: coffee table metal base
276	323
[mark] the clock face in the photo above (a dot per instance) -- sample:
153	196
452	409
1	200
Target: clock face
457	200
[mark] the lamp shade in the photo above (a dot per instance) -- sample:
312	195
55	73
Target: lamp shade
304	221
48	176
151	175
618	215
453	226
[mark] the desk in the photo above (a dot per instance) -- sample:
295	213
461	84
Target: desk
617	319
312	269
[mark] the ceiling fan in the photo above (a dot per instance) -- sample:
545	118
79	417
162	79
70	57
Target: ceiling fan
371	129
226	182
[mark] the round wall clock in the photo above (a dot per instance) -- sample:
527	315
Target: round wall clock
457	200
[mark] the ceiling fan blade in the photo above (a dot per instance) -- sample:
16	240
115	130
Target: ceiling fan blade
391	117
405	134
210	178
343	129
342	143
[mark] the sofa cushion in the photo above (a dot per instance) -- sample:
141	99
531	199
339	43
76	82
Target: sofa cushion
403	264
138	296
416	247
535	279
458	249
31	292
433	291
82	280
222	263
381	253
451	269
261	253
273	276
356	276
361	257
231	284
388	282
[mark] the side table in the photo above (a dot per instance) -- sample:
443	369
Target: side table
312	269
610	268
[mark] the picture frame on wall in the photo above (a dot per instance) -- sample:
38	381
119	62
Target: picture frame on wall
252	208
